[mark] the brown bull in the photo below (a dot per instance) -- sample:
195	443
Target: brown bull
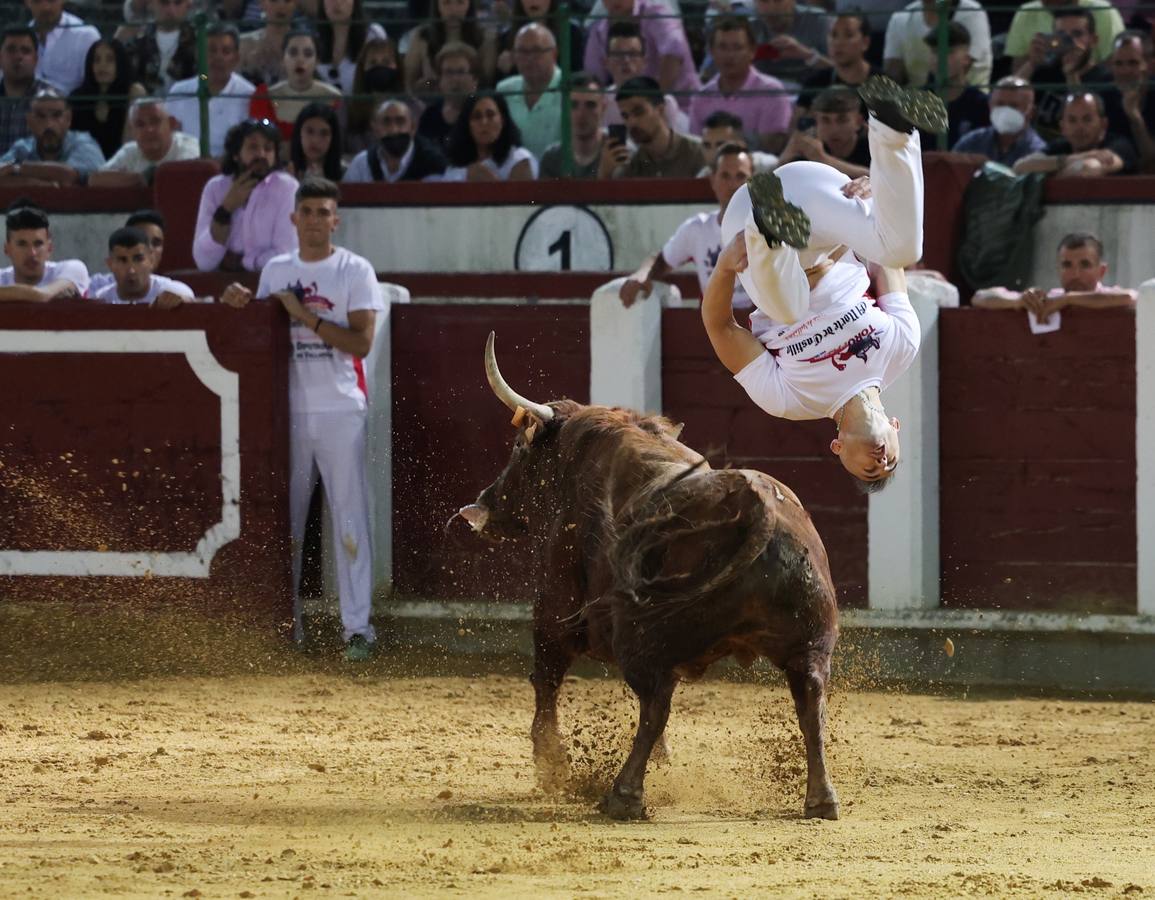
654	561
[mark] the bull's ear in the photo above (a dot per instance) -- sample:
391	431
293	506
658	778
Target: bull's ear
534	427
676	431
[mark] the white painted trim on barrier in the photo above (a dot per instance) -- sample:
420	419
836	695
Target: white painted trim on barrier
1145	447
626	347
193	345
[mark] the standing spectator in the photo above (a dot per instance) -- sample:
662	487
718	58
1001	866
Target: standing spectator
376	77
341	33
534	94
100	104
244	216
19	84
62	44
332	298
722	128
262	51
909	59
130	264
1035	20
838	138
283	102
315	147
1130	101
458	69
699	238
966	105
399	154
157	141
1085	149
53	153
847	43
1010	135
456	20
34	275
151	224
668	60
486	145
229	92
758	100
788	36
625	59
166	50
544	12
661	152
1067	58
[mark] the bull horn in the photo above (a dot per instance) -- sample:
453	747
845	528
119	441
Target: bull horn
504	392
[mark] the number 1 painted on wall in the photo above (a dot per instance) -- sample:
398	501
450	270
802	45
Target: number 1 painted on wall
561	245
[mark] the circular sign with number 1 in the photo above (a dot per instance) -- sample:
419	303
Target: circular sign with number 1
564	239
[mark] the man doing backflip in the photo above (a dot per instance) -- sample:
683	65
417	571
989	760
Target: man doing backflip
820	346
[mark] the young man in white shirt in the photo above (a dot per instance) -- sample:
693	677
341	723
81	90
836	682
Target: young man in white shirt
332	297
151	224
33	275
130	260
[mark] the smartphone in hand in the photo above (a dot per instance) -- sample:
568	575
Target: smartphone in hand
617	133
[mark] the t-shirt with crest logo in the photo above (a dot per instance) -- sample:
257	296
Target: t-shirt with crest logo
699	240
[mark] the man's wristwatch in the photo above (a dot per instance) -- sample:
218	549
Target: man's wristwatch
222	216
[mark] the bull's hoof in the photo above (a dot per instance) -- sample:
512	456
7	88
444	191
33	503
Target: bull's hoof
623	807
828	809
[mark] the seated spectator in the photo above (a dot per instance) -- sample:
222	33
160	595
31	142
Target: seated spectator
667	53
315	147
485	144
847	43
1010	136
342	31
283	102
587	104
244	215
534	94
149	222
1081	272
454	20
458	69
400	154
166	49
157	141
34	275
838	136
52	154
100	107
544	12
18	83
375	79
1085	148
758	100
130	264
625	59
661	152
907	57
62	44
699	238
788	38
1130	102
229	92
263	50
1034	23
966	105
722	128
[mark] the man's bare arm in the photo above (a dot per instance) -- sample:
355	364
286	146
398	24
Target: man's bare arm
1108	298
997	298
734	346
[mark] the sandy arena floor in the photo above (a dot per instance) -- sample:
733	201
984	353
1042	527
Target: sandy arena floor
316	782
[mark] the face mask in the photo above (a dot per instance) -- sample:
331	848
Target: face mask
1007	120
382	80
395	144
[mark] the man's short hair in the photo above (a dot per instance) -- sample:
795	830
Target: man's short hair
1079	95
957	35
458	50
627	30
1131	34
141	102
224	29
128	236
1076	12
642	86
586	82
721	118
730	148
314	187
21	31
734	23
856	13
873	487
24	215
837	99
146	217
1077	239
1013	83
49	93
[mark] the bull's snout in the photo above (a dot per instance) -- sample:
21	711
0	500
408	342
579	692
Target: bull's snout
475	515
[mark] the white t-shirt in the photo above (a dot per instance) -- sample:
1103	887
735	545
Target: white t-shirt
906	40
699	240
108	293
129	158
812	367
166	43
516	155
225	110
322	378
71	269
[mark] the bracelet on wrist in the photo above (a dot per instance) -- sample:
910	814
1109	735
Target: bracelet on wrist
317	325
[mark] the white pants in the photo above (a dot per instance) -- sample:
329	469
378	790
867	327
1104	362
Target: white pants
334	445
886	229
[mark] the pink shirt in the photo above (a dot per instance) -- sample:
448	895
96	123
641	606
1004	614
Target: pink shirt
261	229
760	113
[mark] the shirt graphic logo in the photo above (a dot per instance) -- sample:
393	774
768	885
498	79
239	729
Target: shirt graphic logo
858	346
309	296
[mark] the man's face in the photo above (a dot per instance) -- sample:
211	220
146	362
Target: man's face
316	219
278	12
46	13
258	155
1082	125
170	14
49	120
958	62
643	120
29	250
619	9
713	139
770	9
733	53
1128	64
392	118
845	42
1075	27
838	131
132	268
18	59
224	57
456	78
1022	99
587	109
1080	268
871	454
734	170
535	55
625	58
152	127
155	235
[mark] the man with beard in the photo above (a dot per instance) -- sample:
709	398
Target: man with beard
229	92
662	152
52	153
18	84
1085	149
400	153
130	260
1130	101
34	275
245	213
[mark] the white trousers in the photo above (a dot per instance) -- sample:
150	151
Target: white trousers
334	445
886	229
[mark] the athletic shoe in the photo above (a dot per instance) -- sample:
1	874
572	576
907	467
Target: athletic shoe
359	649
780	222
903	109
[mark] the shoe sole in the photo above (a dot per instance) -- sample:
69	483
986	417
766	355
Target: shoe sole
893	104
779	221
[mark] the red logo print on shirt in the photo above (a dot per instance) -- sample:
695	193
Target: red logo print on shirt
860	345
309	296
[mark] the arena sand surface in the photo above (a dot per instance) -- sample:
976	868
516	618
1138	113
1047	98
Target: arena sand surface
309	780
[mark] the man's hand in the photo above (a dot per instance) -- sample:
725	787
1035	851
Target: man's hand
733	257
1132	102
615	154
237	296
239	191
1035	300
167	300
1038	49
632	289
790	48
294	307
858	188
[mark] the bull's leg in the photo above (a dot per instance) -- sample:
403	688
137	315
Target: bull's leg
809	691
626	799
551	660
